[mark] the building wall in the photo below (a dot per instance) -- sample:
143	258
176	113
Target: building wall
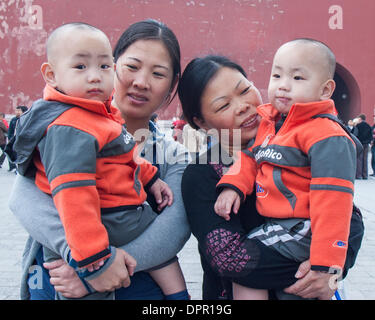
248	31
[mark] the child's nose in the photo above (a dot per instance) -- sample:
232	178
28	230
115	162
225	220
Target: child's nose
94	76
284	85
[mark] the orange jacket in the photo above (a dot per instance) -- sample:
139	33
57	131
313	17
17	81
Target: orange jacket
87	161
305	170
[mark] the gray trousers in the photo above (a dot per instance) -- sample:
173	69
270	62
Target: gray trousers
362	165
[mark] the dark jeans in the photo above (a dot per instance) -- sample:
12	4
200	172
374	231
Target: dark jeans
142	286
2	158
3	155
373	157
362	163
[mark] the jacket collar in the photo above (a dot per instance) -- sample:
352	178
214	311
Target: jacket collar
102	108
299	111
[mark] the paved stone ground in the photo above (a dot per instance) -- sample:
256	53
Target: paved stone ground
359	284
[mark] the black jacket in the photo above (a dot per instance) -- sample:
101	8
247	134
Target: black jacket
364	132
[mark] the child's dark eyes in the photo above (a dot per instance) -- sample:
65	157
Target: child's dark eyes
80	66
105	66
276	76
298	78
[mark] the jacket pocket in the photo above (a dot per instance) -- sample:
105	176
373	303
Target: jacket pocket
289	195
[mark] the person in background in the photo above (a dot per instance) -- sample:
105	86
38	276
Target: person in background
364	134
3	138
20	110
154	118
350	125
2	118
178	126
373	149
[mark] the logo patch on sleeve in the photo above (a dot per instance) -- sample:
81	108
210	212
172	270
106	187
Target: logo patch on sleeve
340	244
260	191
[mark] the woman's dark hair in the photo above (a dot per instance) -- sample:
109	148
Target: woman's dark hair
194	80
151	30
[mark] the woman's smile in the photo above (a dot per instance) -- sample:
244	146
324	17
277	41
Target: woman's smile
251	122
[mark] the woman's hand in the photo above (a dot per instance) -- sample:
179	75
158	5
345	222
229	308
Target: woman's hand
117	275
313	284
65	279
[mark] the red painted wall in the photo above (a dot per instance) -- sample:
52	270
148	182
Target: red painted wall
248	31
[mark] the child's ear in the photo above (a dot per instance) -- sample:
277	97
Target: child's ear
48	74
327	89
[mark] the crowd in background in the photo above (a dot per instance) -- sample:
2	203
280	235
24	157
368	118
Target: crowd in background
7	132
366	135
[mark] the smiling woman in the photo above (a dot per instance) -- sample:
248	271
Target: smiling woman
216	105
144	65
234	110
147	72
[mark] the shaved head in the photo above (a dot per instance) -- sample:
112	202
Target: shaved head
57	37
326	57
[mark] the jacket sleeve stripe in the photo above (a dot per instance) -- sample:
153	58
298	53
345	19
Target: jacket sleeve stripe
73	184
71	177
331	188
334	182
97	257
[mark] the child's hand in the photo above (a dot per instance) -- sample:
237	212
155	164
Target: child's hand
227	199
162	193
95	266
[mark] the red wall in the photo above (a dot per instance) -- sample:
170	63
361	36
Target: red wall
248	31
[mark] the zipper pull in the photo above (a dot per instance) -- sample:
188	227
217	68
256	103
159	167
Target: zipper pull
266	141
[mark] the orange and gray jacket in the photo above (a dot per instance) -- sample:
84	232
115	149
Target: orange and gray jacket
86	160
305	170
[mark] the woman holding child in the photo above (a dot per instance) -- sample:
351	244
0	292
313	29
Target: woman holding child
147	58
216	96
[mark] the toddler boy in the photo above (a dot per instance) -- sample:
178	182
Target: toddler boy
303	166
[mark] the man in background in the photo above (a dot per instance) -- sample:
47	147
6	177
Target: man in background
3	138
364	134
12	129
373	149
